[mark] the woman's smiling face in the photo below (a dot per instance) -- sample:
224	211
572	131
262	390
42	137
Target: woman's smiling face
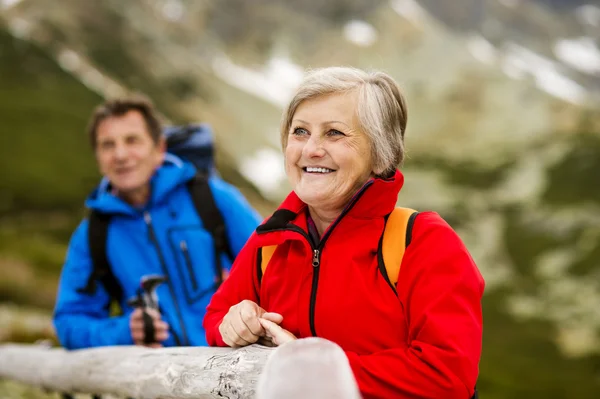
328	156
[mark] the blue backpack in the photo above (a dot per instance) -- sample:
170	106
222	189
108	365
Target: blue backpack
194	143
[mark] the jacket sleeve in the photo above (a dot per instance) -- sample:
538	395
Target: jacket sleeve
241	284
82	320
240	218
440	289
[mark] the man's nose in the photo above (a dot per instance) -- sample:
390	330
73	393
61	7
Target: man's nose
120	151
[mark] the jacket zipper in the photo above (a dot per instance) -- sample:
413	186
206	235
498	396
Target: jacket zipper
163	264
317	251
316	263
188	263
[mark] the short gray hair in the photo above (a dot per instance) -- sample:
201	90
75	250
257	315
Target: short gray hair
381	109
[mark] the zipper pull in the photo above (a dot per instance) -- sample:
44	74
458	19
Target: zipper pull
148	221
315	261
183	245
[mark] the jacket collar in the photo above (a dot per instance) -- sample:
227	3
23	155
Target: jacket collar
376	198
167	178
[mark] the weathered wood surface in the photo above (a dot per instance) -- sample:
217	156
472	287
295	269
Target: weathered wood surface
307	368
188	372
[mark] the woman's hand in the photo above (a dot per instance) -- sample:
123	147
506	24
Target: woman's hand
276	333
241	326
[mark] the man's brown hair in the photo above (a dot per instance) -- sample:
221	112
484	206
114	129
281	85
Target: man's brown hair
119	107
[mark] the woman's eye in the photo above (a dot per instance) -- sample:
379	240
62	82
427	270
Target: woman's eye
299	131
334	132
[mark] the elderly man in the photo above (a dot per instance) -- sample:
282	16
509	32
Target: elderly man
153	228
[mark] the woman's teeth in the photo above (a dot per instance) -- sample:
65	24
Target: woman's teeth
318	170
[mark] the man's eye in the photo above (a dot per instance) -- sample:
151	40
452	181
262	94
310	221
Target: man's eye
106	145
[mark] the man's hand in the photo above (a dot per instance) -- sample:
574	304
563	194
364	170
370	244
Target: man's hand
241	325
275	333
136	324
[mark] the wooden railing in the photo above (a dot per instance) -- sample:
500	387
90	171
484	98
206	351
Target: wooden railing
306	368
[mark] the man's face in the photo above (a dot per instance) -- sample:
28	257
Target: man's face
127	155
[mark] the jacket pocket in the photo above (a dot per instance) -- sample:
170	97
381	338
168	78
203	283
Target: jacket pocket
194	255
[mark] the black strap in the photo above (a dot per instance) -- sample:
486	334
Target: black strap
97	236
407	240
409	228
207	210
211	217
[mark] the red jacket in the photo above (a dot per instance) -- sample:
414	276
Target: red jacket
423	342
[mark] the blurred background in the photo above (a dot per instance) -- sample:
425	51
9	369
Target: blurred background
503	141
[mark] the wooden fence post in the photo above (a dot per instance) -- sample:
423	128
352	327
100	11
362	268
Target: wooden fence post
312	368
306	368
138	372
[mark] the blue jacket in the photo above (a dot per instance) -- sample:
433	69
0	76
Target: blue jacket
82	320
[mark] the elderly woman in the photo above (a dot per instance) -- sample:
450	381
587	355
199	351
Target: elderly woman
343	138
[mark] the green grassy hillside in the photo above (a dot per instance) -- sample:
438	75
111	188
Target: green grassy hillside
47	168
43	149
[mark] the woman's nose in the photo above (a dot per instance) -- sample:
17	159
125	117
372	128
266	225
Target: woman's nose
313	147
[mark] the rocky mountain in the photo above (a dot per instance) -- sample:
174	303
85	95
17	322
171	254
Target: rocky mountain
557	38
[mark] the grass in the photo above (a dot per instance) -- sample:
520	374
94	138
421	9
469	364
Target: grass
14	390
43	148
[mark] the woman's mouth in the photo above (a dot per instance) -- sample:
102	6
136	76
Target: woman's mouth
317	170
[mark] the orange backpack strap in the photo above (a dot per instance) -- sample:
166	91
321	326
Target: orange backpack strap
396	237
266	255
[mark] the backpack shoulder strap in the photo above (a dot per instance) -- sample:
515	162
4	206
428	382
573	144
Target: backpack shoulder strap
266	255
101	268
399	225
212	219
396	237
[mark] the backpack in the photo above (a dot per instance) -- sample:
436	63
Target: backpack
399	223
194	143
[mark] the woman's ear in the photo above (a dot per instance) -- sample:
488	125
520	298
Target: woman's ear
384	173
377	171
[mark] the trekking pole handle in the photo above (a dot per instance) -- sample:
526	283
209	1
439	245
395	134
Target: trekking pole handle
149	330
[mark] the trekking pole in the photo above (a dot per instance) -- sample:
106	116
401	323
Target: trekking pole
146	298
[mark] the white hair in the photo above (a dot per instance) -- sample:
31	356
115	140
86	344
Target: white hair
381	110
